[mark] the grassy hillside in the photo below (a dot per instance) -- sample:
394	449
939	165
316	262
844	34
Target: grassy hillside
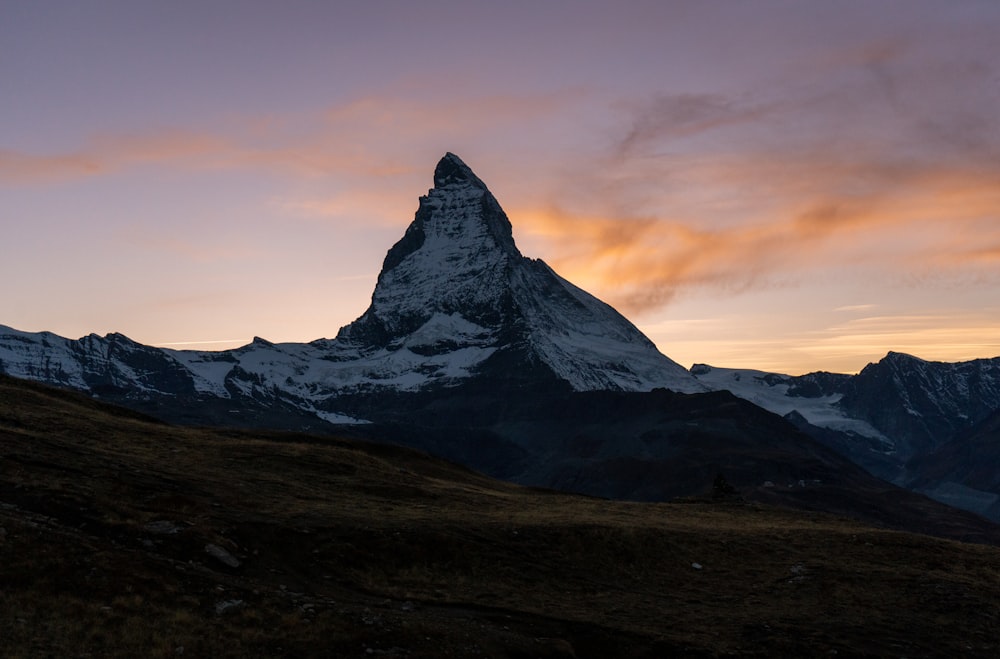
120	536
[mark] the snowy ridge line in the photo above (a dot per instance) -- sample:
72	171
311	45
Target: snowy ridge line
772	392
455	300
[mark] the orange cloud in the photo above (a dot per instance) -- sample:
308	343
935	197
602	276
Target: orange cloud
160	146
734	193
111	153
193	151
947	337
18	167
376	136
840	347
640	263
943	223
370	203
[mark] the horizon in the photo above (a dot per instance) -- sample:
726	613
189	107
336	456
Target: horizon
234	344
783	187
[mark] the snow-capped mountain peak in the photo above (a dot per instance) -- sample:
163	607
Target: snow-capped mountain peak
451	170
453	259
458	261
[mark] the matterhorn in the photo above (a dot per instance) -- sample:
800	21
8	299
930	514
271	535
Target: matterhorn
455	303
456	290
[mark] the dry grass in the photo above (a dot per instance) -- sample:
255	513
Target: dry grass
348	547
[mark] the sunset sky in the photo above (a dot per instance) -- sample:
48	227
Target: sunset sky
784	185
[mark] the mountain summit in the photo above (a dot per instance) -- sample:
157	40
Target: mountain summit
453	259
456	282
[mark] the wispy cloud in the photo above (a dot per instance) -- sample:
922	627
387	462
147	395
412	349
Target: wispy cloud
667	118
883	159
841	347
856	307
19	168
367	201
951	336
191	151
935	228
373	137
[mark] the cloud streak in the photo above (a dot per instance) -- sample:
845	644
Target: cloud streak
374	136
946	226
890	169
20	168
670	117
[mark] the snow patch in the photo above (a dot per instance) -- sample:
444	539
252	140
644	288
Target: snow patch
770	391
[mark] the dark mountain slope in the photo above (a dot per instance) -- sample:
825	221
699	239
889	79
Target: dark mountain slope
120	537
965	472
656	446
924	402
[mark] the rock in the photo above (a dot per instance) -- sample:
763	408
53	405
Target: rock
229	606
696	566
800	571
221	555
162	527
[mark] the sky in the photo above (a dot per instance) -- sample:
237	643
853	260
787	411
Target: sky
788	185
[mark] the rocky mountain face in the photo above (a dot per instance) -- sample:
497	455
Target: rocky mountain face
112	364
963	472
890	418
925	402
456	287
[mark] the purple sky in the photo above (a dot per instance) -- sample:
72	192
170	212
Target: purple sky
789	186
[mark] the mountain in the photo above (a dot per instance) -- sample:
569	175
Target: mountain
897	410
922	401
963	472
476	353
455	288
653	446
455	301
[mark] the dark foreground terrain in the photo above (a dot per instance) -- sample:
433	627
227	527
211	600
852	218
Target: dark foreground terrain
121	536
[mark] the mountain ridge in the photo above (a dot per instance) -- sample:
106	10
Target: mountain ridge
888	417
455	300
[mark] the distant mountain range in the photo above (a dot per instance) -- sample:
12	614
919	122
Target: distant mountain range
891	417
479	354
